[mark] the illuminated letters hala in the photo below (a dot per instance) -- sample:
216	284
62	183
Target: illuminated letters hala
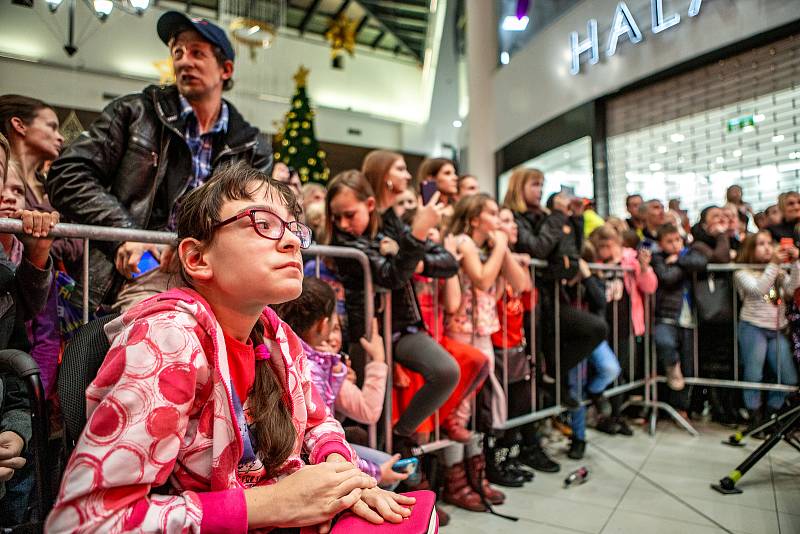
623	24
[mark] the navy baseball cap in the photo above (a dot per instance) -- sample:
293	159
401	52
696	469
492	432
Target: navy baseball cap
172	22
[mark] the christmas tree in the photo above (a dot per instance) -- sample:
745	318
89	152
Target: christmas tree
299	148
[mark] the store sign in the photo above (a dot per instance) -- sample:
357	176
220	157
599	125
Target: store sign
622	24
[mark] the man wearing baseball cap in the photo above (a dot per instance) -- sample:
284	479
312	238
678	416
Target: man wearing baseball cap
147	150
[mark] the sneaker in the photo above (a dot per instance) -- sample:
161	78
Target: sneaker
675	377
577	449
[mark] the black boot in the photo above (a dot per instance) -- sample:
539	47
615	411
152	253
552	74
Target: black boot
607	425
577	448
534	457
515	466
497	471
622	427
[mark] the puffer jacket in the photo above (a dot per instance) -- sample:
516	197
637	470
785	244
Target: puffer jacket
674	279
132	165
390	272
161	415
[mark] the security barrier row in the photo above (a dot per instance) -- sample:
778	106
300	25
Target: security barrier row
647	382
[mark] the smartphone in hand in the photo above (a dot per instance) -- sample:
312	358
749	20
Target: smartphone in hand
427	189
146	264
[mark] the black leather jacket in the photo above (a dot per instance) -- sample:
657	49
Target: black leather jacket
132	165
390	272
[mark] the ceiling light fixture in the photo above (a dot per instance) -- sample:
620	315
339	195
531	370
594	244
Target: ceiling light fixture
513	24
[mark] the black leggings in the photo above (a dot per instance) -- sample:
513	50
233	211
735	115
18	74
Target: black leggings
420	353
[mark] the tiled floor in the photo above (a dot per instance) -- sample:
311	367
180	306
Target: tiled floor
653	485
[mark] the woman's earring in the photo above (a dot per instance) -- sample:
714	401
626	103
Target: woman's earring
389	185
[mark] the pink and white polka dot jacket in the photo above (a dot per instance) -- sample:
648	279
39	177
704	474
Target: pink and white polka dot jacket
160	414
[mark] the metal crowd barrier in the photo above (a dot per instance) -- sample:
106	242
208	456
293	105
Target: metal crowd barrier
538	410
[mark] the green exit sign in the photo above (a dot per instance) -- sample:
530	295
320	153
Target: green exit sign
740	123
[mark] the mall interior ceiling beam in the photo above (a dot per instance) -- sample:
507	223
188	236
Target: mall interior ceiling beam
387	28
342	9
309	14
361	24
378	39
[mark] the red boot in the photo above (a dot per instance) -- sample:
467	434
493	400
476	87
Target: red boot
458	492
478	481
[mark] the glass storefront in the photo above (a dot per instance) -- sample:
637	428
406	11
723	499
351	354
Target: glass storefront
734	122
568	166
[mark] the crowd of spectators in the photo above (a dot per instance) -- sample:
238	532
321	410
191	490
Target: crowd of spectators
260	415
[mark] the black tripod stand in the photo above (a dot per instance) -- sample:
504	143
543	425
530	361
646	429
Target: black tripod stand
780	427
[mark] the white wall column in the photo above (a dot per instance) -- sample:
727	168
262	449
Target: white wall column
481	63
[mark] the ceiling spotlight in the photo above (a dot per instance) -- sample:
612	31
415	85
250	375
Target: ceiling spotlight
655	166
778	138
662	149
720	160
513	24
52	5
758	117
103	8
140	5
457	124
505	58
677	137
737	153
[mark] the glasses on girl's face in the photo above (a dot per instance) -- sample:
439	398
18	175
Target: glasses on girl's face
270	226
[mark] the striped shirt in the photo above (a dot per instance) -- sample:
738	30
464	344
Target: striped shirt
754	288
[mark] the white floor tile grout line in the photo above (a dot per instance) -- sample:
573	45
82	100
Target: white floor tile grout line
633	479
660	487
774	492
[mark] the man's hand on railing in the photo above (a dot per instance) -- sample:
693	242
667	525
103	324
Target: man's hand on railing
129	254
36	226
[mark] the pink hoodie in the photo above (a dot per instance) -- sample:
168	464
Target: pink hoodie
637	284
160	412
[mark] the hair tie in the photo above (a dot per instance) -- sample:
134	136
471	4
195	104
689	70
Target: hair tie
262	352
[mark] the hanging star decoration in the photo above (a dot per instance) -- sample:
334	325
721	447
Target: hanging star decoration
341	35
166	73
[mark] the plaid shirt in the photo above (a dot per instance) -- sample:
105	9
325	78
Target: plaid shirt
201	147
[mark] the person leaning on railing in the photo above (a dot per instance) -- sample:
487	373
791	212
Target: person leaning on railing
762	319
26	274
147	150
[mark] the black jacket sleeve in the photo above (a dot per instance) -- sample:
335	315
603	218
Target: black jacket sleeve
438	263
541	242
390	272
595	295
16	407
693	261
79	181
669	275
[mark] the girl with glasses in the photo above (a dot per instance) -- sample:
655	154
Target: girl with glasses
202	413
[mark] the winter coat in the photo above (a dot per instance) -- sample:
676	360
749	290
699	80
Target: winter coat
390	272
162	444
674	279
132	165
637	283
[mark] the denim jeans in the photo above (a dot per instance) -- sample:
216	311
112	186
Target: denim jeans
756	346
606	368
576	379
675	344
